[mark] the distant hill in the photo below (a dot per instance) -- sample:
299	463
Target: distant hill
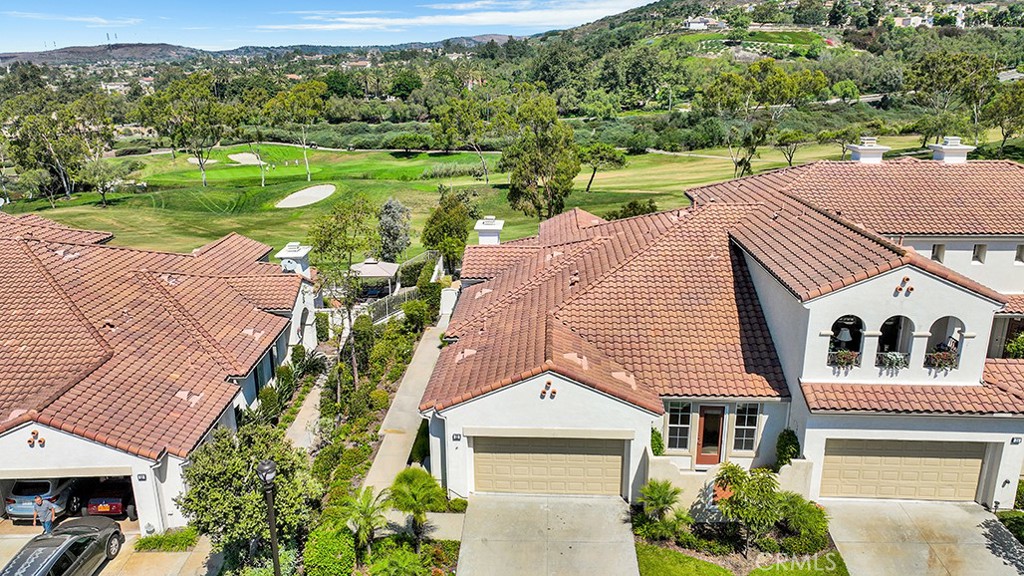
170	52
105	53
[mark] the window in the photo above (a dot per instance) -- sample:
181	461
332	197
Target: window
678	425
980	251
262	373
746	427
938	252
846	342
1019	258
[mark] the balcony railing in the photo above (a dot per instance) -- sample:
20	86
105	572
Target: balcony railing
844	358
948	360
892	360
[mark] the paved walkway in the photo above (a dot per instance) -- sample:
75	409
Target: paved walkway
302	431
439	526
403	418
892	537
518	535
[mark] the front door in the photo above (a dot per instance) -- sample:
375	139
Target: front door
709	435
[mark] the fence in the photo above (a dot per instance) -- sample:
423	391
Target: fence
381	309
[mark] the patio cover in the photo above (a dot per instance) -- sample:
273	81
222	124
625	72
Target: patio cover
371	268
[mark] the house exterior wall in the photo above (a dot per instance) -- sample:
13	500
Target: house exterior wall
771	420
876	300
1000	472
1000	271
577	409
67	455
303	316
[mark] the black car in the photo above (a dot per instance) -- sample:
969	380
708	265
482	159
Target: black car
77	547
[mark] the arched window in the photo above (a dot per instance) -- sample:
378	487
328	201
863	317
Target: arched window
894	343
846	342
944	344
302	324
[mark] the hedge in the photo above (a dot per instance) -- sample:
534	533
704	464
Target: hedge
323	327
1014	522
174	540
330	553
132	151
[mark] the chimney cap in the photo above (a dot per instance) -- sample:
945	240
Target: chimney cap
293	250
951	151
489	223
868	151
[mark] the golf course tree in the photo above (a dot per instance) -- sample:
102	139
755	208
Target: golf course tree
600	156
1006	112
200	119
392	230
447	227
225	501
303	105
339	238
469	121
542	159
251	114
788	141
154	111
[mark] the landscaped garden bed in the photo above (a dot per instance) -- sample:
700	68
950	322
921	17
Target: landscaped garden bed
755	525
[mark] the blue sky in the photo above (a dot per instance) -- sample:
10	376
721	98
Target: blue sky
220	24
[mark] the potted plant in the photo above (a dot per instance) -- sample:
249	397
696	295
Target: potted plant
944	360
846	358
893	360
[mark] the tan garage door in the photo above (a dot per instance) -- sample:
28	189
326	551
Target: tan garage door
898	469
548	465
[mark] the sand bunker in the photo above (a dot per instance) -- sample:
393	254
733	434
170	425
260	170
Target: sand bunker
193	160
310	195
245	159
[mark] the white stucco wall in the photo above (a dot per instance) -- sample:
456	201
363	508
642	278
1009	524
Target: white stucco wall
876	300
66	455
1000	271
576	409
1005	459
299	332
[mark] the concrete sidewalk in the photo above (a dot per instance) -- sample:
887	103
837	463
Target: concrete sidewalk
302	432
403	418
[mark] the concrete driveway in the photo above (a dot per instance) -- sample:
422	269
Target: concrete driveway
547	536
882	537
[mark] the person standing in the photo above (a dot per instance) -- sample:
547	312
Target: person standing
45	512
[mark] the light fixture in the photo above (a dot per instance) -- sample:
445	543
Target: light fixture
266	471
844	335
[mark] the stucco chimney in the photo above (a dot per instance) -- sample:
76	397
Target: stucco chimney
295	258
951	151
489	230
868	151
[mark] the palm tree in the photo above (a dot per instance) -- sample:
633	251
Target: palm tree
658	497
402	562
416	492
364	513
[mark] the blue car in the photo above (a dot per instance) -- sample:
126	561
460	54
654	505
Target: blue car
61	492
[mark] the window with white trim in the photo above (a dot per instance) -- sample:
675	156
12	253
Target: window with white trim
938	252
980	251
746	427
678	425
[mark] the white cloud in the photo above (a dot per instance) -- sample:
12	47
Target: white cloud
550	15
481	4
89	21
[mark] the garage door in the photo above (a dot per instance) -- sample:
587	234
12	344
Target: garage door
899	469
548	465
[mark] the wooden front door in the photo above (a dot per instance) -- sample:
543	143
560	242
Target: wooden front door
709	435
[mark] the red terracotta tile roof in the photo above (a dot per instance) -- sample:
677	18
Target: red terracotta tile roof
131	348
1001	393
482	262
39	228
232	254
1014	304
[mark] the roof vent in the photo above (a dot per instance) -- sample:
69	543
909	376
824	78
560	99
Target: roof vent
465	354
951	151
868	151
483	292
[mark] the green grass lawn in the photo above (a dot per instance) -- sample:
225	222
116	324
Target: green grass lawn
803	37
179	214
657	561
830	564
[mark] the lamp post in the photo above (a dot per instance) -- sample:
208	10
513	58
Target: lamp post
267	470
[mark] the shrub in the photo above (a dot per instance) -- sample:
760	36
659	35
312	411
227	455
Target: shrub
326	461
786	448
429	292
458	505
805	522
323	327
417	315
1015	347
329	553
379	399
270	404
421	446
1019	502
1014	522
401	562
174	540
657	442
284	381
658	497
768	545
132	151
408	274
